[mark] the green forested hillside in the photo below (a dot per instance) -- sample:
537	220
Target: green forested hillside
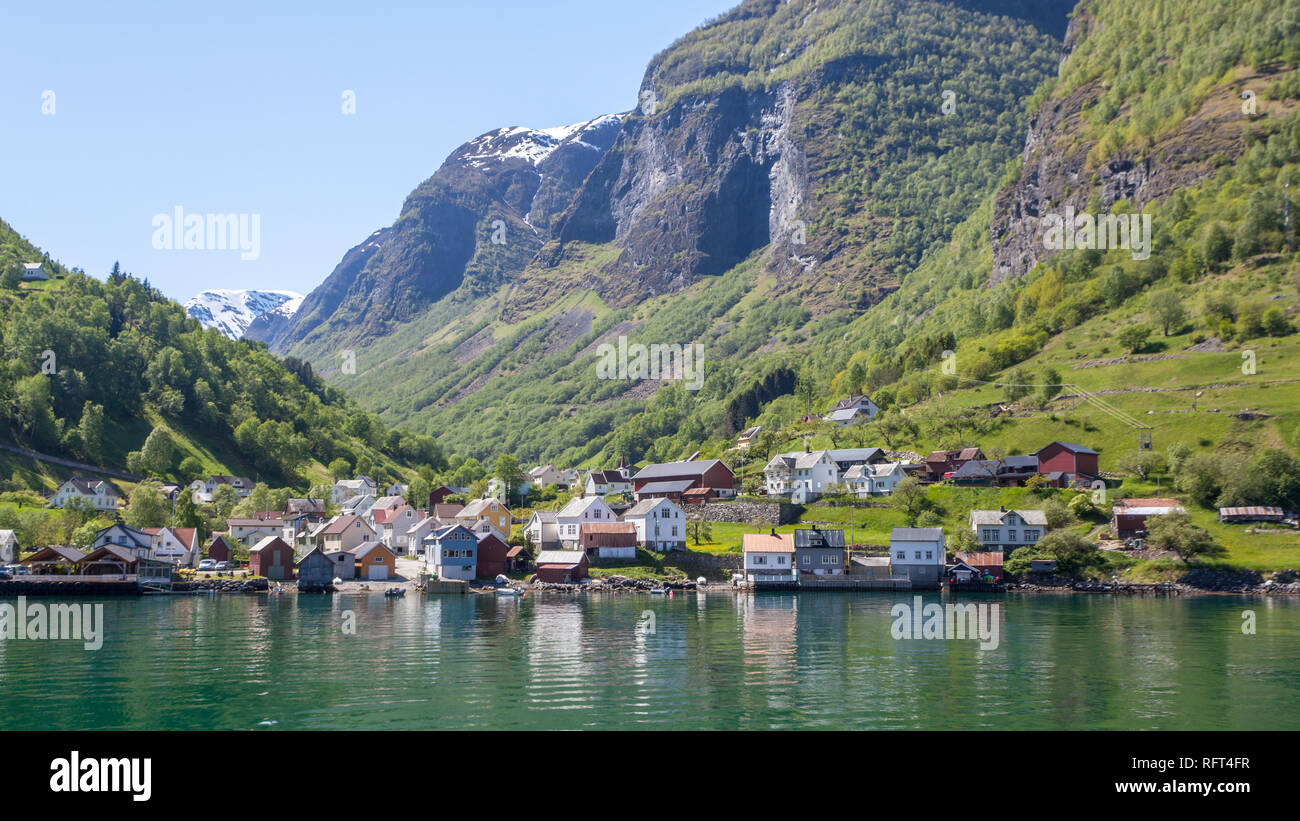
115	375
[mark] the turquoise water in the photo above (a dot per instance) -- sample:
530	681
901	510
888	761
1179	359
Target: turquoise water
717	661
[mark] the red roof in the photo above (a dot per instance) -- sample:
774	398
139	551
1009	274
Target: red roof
991	558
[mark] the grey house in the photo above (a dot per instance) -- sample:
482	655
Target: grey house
918	554
315	570
819	552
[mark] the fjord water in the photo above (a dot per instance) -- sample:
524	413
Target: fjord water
717	661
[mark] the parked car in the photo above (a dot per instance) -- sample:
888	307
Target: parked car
5	575
17	569
207	564
223	566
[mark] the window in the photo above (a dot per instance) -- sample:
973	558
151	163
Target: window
929	555
1032	535
828	558
902	554
917	555
807	559
760	560
1011	535
780	559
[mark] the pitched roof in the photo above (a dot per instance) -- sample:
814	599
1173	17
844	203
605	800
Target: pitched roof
643	507
987	558
1070	446
607	527
364	550
996	517
674	469
855	454
916	534
568	558
55	553
680	486
767	543
268	541
255	522
89	487
579	505
447	510
479	507
342	523
818	538
546	517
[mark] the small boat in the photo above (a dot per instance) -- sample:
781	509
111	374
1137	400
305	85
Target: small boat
509	591
395	592
658	591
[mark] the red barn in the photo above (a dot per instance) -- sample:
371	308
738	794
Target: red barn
562	566
492	556
219	550
1073	462
272	557
679	477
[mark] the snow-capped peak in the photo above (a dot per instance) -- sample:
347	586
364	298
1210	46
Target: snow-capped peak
231	312
534	145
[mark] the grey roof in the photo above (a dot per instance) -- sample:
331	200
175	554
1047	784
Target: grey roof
565	557
995	517
846	413
818	538
643	507
669	469
547	516
916	534
680	486
982	468
1020	462
1070	446
855	454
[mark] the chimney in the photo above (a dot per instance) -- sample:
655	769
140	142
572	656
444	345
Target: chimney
1004	508
774	536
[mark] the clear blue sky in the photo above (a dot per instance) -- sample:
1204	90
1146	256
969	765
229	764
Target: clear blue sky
233	108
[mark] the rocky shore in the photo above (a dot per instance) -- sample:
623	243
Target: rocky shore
1197	582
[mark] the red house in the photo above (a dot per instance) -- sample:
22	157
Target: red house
492	556
1066	463
272	557
673	479
562	566
219	550
940	463
439	495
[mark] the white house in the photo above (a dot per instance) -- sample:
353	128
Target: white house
137	542
747	437
660	524
852	410
393	526
768	557
34	271
603	482
1007	529
542	530
874	480
96	492
179	545
918	554
345	489
802	476
544	475
8	547
346	532
569	519
252	531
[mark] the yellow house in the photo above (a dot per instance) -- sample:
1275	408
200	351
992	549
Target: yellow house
486	510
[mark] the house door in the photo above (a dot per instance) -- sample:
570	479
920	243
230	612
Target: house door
378	572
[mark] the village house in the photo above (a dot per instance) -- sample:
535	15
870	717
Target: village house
97	493
769	557
960	571
544	475
251	530
272	557
607	482
33	272
542	529
918	554
660	525
820	552
446	512
1014	471
608	540
220	550
493	556
1066	464
439	495
110	560
1007	529
306	507
496	489
179	545
397	489
748	436
801	476
374	561
345	489
988	563
575	513
1235	515
315	570
486	510
451	553
418	531
137	542
852	410
242	484
667	479
940	464
562	566
1129	517
345	564
976	473
346	532
393	526
8	547
874	479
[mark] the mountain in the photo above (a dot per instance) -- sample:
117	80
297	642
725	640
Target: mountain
472	225
232	312
785	162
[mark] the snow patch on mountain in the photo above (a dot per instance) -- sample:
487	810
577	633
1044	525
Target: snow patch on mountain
231	312
533	145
